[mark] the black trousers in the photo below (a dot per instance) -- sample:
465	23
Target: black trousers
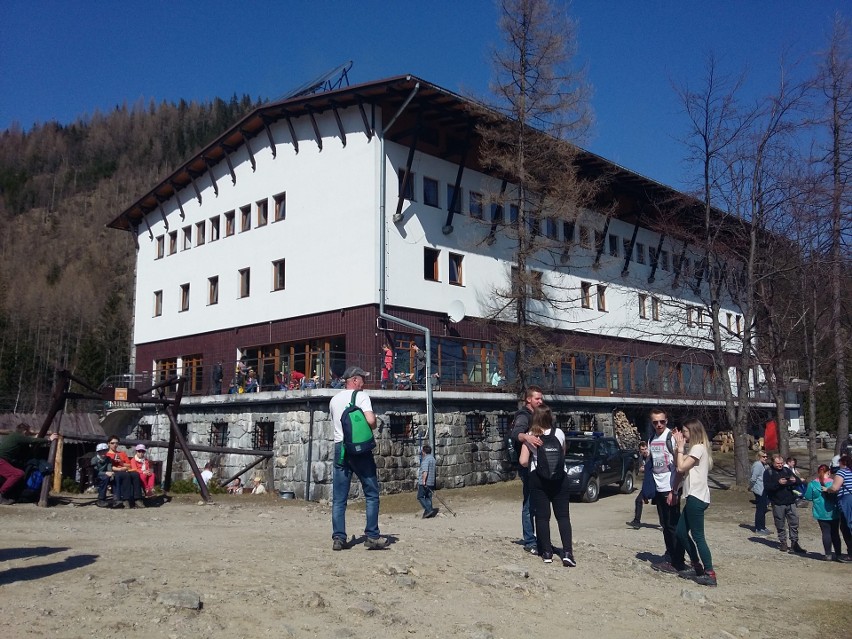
544	497
669	516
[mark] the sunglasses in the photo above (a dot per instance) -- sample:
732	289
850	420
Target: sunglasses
659	421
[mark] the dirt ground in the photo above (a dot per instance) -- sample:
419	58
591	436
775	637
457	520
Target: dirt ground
263	567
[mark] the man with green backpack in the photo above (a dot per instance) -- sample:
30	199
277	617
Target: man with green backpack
354	420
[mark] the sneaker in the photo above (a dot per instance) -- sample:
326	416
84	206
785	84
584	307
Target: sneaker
425	514
531	549
666	567
431	513
376	543
783	547
568	560
830	557
696	570
798	549
762	531
636	525
844	559
338	544
102	503
5	501
707	579
547	557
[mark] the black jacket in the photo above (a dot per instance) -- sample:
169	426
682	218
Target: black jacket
779	494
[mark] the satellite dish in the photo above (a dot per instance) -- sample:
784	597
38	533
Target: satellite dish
456	311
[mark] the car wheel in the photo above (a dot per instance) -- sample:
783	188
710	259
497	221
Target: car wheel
628	484
592	491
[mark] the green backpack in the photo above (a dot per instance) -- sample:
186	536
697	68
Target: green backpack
357	435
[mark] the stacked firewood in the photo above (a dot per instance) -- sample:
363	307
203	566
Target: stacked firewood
724	441
625	432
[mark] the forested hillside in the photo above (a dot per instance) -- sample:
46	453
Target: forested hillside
66	281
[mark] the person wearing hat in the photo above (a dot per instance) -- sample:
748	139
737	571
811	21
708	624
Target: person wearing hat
363	465
103	469
127	486
257	486
140	463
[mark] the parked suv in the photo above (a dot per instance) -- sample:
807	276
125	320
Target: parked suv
592	461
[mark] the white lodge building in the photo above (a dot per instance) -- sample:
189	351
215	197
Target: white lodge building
268	245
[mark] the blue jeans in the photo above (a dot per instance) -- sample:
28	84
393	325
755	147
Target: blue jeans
527	511
424	496
364	466
760	504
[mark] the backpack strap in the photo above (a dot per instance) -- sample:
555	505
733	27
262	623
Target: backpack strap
352	401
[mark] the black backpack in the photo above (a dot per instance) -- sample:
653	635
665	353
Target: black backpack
550	458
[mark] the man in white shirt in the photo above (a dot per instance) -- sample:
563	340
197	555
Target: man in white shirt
666	499
362	465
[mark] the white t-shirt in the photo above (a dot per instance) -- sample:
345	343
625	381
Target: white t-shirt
661	458
695	482
206	475
534	451
339	403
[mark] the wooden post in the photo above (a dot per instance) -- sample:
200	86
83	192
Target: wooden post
57	465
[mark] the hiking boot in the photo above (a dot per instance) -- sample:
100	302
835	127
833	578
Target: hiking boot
5	501
798	549
425	514
338	544
666	567
568	560
696	570
635	524
102	503
547	557
376	543
431	513
783	547
707	579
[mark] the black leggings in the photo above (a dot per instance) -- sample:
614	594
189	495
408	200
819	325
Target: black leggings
545	495
830	529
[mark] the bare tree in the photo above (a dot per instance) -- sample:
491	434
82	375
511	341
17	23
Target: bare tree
543	99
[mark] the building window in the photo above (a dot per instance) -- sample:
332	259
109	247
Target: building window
643	306
143	432
213	290
219	434
568	231
406	186
738	319
586	294
551	228
640	253
652	256
262	212
456	269
476	426
728	323
229	224
690	319
514	214
430	264
263	436
172	242
245	218
278	273
664	260
430	192
161	246
245	282
475	205
454	206
699	316
214	228
187	237
280	206
200	233
496	213
584	236
655	308
184	297
601	297
613	245
536	286
625	243
158	303
401	427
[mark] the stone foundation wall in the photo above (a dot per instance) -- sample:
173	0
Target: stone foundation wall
470	438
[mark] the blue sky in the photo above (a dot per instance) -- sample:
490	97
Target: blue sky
60	60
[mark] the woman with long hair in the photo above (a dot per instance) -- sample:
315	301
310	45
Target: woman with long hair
695	467
548	492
